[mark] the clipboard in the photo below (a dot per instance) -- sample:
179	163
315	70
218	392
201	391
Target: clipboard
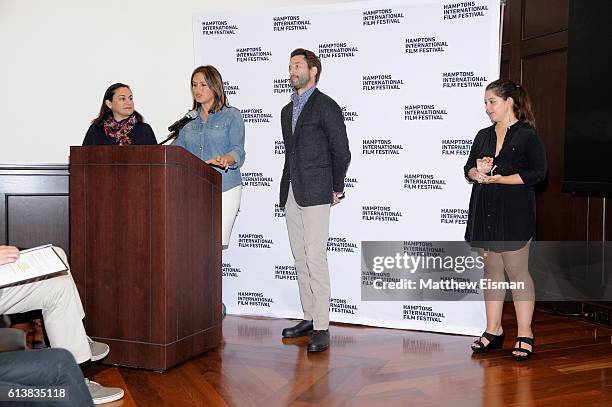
33	264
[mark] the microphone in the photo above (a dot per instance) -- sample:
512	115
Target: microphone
177	125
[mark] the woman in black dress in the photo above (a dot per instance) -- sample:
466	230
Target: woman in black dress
118	123
505	161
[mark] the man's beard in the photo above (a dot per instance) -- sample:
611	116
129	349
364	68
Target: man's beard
301	82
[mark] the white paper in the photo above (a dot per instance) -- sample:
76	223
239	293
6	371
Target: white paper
32	263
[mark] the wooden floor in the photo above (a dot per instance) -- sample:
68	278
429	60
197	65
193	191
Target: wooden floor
380	367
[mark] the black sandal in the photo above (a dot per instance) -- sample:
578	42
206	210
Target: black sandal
528	353
495	342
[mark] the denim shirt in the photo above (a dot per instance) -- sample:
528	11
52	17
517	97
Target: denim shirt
223	133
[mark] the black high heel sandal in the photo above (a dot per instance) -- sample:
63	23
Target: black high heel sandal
528	353
495	342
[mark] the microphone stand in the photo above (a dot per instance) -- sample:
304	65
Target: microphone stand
171	136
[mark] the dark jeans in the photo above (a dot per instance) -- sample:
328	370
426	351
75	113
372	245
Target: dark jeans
43	369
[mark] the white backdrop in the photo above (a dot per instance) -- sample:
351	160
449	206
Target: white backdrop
410	76
58	57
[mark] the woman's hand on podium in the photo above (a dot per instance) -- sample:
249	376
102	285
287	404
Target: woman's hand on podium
223	161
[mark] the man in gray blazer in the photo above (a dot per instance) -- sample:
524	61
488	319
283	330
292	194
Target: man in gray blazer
316	160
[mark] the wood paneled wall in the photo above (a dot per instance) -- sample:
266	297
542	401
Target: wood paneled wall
534	53
34	205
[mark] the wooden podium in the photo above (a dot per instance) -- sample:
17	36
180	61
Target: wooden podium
145	236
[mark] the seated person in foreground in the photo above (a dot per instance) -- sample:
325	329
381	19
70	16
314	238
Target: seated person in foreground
62	312
53	369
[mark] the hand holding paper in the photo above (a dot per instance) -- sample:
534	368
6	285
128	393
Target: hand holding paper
18	267
8	254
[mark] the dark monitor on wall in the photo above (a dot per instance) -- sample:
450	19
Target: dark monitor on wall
588	135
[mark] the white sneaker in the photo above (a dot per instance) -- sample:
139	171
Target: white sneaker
99	350
101	394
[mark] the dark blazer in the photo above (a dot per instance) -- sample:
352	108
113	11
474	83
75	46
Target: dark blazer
317	155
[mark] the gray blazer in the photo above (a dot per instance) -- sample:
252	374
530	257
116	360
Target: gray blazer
317	154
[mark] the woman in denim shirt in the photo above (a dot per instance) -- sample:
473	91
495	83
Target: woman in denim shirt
216	136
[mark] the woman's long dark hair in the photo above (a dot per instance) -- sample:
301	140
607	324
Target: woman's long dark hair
105	111
505	88
215	84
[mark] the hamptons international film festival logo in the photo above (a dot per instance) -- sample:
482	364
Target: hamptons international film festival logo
422	248
254	241
290	23
342	306
424	45
279	211
409	248
341	245
455	147
252	54
380	213
423	112
383	16
256	179
421	313
285	272
337	50
424	182
256	115
349	115
253	299
351	182
380	147
463	79
381	82
464	9
368	278
228	270
453	216
279	147
231	89
281	86
218	27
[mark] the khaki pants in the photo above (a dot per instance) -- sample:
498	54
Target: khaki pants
308	228
61	307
